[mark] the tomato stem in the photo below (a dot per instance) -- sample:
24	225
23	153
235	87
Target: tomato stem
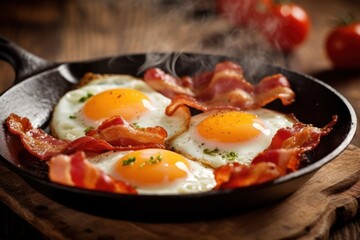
347	19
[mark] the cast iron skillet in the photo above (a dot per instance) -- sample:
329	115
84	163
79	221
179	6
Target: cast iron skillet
39	84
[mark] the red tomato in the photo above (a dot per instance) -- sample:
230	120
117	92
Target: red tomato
243	12
343	46
286	26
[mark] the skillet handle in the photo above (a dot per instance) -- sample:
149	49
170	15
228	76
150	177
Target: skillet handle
24	63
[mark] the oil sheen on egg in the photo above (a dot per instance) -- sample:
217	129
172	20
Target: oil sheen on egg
156	171
219	137
87	107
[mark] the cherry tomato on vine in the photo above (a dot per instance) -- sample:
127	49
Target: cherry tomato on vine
243	12
286	26
343	46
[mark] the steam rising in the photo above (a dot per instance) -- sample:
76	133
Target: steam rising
192	26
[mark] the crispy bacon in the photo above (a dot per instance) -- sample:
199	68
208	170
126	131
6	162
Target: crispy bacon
271	88
120	133
281	157
36	141
169	85
227	77
225	87
75	170
88	144
236	175
114	134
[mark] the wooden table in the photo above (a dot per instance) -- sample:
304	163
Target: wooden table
78	30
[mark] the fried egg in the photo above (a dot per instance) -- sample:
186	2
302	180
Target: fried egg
156	171
219	137
88	106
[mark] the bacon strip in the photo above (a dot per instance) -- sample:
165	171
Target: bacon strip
114	134
88	144
169	86
36	141
120	133
281	157
75	170
225	87
236	175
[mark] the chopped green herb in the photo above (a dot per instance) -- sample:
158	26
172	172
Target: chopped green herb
88	129
72	117
129	161
211	152
152	160
84	98
230	156
136	125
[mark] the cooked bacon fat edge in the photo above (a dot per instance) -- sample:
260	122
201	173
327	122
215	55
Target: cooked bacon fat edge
280	158
75	170
113	134
225	87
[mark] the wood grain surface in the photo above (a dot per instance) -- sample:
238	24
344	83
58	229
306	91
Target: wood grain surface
78	30
329	196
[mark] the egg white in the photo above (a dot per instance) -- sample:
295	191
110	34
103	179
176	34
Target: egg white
68	122
199	179
216	154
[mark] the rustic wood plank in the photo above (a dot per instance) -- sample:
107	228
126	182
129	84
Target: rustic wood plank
78	30
329	196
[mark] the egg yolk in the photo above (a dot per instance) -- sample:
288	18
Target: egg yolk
128	103
231	127
152	167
